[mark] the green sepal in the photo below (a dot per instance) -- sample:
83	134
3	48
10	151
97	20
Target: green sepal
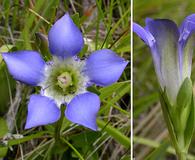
183	105
189	130
185	94
165	105
180	117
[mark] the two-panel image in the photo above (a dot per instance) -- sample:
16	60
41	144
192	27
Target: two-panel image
97	80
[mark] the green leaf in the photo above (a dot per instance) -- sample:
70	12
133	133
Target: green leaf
109	90
6	48
3	127
93	89
7	88
27	138
189	131
159	153
83	51
127	157
3	151
76	19
85	137
115	133
73	148
165	108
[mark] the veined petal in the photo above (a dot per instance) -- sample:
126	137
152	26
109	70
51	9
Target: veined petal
186	52
104	67
83	110
143	34
149	39
187	27
65	38
25	66
166	35
41	111
186	45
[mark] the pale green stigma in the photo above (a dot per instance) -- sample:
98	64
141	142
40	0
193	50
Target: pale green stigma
64	80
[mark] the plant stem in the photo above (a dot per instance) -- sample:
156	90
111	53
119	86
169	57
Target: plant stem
59	124
182	153
182	156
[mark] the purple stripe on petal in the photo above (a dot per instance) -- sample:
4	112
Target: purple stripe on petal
104	67
65	38
41	111
83	110
25	66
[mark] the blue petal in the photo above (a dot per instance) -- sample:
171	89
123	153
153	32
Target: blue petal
145	35
149	39
41	111
104	67
186	44
187	28
148	20
83	110
65	38
166	35
25	66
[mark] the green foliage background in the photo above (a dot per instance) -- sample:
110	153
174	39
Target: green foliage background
106	23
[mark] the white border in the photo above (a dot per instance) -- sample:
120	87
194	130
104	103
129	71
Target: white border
131	61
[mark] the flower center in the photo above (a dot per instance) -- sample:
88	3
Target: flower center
64	79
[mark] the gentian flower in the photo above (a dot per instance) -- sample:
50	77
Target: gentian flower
64	79
171	49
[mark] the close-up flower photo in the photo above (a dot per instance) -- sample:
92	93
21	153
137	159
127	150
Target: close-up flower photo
164	116
65	79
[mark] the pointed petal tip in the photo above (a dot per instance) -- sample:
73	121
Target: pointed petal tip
62	37
144	34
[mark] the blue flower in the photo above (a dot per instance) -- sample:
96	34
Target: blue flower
171	49
65	79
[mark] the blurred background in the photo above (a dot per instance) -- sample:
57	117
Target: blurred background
151	139
24	25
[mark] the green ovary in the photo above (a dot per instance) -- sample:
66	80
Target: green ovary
64	80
